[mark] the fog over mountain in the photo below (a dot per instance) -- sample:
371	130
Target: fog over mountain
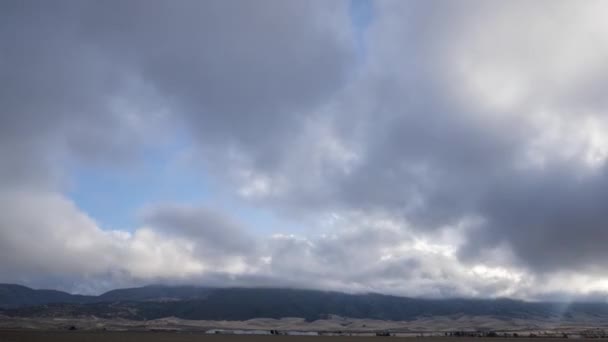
420	148
240	304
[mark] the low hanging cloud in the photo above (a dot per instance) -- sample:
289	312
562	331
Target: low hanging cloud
446	149
65	248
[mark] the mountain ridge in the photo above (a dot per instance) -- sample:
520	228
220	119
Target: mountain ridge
212	303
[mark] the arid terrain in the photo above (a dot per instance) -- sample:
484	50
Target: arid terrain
332	326
78	336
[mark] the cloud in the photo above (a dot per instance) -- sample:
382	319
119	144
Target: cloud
459	115
464	155
92	77
214	235
84	82
62	98
66	249
233	72
47	241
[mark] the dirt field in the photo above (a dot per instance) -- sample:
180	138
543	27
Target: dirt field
82	336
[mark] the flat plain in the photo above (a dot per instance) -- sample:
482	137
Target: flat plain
138	336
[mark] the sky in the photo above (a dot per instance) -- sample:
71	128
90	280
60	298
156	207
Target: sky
412	147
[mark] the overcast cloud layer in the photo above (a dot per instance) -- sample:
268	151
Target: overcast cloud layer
446	149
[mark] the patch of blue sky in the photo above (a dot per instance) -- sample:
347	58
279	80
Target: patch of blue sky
112	196
361	13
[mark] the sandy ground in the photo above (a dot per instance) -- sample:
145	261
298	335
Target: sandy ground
432	325
82	336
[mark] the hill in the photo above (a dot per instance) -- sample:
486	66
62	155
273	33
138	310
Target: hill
155	293
203	303
13	296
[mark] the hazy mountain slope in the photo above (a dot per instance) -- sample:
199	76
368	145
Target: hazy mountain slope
201	303
155	292
12	296
243	304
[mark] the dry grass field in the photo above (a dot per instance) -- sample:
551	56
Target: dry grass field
86	336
